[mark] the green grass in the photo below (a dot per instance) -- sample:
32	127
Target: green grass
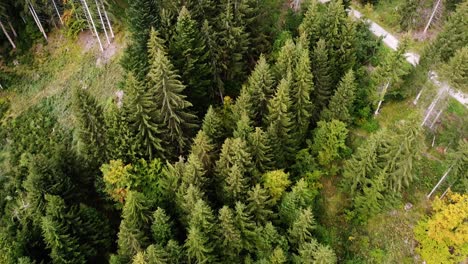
56	70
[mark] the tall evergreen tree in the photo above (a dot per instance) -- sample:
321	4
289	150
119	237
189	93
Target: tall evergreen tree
213	126
342	101
322	70
300	232
142	15
329	141
134	228
210	38
143	118
259	204
260	150
167	89
190	58
246	226
260	88
369	202
279	119
202	147
161	227
456	70
230	236
286	62
301	91
243	128
92	130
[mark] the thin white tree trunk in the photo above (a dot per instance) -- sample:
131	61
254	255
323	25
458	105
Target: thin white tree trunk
432	106
384	91
432	16
7	35
440	181
12	29
415	102
58	13
436	118
36	18
102	22
107	18
92	22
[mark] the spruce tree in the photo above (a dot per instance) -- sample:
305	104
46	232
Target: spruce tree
278	256
456	70
210	38
260	88
301	91
322	71
199	249
154	254
235	185
329	141
213	126
203	148
92	128
142	15
279	128
340	106
313	252
300	232
311	25
369	202
229	235
161	227
233	45
166	88
286	62
134	228
143	118
301	196
401	153
190	58
246	226
243	128
259	204
120	138
260	150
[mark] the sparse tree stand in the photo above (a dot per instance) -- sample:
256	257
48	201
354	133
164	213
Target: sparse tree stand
89	17
7	35
436	9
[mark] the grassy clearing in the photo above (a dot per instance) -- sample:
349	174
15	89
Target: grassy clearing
56	70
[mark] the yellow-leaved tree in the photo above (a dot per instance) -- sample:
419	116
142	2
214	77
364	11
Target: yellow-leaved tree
443	237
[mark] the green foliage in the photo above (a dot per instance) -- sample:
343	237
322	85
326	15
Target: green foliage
161	227
340	106
456	70
166	88
300	232
322	70
329	141
276	183
259	204
409	14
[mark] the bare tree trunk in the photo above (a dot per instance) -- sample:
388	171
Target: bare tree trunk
436	118
432	16
92	22
415	102
102	22
107	18
384	91
440	181
7	35
36	18
12	29
432	106
58	13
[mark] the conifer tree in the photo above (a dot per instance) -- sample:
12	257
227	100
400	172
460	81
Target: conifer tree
198	247
401	152
202	148
235	185
142	15
134	228
246	226
322	71
143	119
167	89
202	217
213	126
161	227
301	91
260	150
286	62
300	232
243	128
364	163
341	103
233	45
244	105
92	127
368	203
278	256
452	37
301	196
329	141
194	173
190	59
279	129
456	70
212	47
313	252
233	153
259	204
311	25
409	14
260	88
154	254
120	139
229	235
186	201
